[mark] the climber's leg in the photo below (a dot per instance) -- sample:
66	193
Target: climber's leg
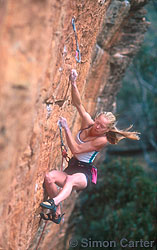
77	181
51	179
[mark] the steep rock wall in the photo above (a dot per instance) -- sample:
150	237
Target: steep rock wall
37	48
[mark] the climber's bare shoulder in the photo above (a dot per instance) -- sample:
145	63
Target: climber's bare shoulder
100	142
86	119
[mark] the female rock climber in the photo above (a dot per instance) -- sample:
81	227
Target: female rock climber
92	137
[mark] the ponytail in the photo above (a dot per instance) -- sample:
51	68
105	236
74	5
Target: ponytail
114	135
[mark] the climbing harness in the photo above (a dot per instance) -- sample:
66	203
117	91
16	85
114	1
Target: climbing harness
78	54
63	147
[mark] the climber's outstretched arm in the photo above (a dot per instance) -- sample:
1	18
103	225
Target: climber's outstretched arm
76	100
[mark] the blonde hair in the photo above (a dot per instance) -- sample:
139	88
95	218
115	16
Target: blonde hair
114	135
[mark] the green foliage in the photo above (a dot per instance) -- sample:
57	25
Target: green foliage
137	99
121	205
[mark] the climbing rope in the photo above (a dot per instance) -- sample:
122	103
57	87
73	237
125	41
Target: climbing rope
64	155
78	54
38	243
63	147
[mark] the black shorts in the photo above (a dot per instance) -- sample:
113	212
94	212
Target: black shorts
76	166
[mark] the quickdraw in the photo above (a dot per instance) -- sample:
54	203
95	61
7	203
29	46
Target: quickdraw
78	54
63	147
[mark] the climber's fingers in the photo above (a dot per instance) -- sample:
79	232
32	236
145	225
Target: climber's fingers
63	122
74	72
73	75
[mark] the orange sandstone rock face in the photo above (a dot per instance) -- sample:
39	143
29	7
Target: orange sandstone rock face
37	51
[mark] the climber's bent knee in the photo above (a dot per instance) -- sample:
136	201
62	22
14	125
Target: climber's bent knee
56	177
49	177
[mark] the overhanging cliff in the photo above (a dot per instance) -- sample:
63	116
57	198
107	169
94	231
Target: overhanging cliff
37	51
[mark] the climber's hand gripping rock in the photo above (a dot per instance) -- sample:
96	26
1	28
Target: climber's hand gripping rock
73	76
63	122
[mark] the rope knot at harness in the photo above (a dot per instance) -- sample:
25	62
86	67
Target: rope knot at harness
64	154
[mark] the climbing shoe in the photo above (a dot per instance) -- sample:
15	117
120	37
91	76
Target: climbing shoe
51	217
49	204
